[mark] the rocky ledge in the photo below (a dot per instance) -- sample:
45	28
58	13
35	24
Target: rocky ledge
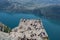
28	29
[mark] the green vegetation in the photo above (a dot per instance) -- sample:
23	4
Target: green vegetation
7	29
4	28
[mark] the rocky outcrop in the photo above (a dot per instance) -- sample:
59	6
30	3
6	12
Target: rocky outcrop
4	36
28	29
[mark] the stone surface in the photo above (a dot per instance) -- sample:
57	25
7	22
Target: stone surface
28	29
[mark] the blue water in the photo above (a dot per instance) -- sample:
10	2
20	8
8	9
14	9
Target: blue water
52	26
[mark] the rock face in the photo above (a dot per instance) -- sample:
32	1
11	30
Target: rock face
28	29
4	36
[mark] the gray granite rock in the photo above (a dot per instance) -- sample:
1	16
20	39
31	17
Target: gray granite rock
30	29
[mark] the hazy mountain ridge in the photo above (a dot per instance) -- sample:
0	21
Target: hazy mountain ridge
39	7
27	4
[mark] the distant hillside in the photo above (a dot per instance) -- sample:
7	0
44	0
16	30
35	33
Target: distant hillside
39	7
4	28
51	11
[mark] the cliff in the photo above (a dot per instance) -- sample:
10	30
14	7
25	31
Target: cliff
28	29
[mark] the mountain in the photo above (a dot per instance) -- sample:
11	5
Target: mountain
52	11
26	30
49	8
4	4
28	4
